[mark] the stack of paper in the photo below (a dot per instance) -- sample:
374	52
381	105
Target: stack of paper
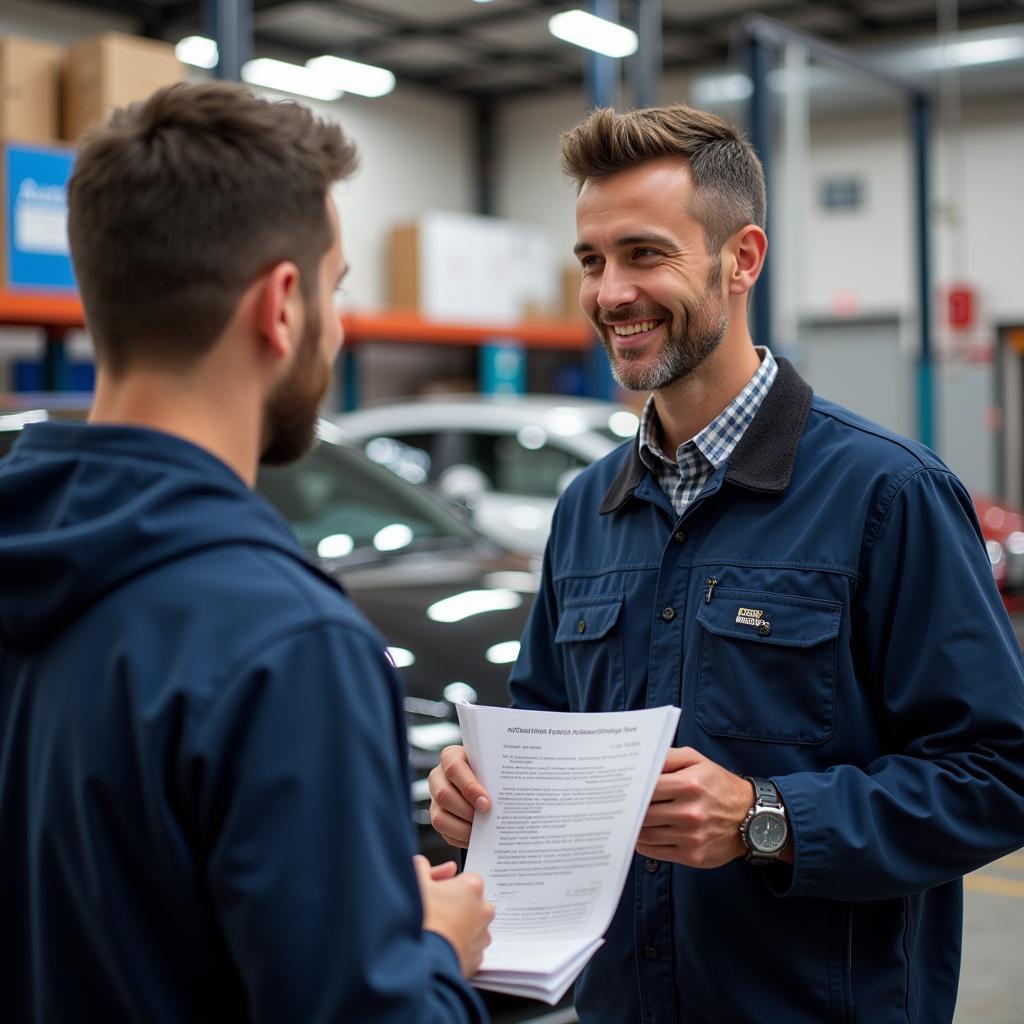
569	793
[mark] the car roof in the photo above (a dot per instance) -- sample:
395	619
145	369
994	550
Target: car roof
559	414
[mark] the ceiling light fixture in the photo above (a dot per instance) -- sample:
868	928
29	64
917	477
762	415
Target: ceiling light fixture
351	76
284	77
592	33
198	51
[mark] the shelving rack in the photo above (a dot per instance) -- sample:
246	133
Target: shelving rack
57	314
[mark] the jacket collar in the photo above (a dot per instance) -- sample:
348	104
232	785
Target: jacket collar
762	461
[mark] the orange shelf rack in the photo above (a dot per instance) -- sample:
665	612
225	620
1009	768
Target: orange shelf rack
51	310
61	312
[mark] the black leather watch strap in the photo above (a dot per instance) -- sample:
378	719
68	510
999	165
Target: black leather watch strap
765	792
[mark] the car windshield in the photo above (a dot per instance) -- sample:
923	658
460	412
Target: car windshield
342	506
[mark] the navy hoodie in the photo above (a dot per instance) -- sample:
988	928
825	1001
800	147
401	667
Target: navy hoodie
204	810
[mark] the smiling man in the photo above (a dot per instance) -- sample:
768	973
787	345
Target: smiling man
811	590
203	769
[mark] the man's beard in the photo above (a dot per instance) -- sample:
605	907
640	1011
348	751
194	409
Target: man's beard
686	346
290	415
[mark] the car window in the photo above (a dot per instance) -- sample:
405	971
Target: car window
341	505
410	456
511	466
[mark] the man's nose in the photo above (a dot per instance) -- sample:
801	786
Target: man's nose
617	289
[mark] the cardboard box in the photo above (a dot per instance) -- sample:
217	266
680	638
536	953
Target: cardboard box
29	90
34	217
469	268
112	70
572	277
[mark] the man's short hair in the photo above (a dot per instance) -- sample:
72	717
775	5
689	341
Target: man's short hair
178	203
728	180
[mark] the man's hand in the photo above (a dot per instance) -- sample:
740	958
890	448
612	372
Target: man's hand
696	812
456	909
455	795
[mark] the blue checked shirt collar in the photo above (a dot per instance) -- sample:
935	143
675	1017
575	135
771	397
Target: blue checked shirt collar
697	459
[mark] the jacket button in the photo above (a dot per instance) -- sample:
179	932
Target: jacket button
668	614
651	865
581	626
764	628
679	536
650	953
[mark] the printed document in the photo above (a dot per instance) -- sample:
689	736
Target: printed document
569	793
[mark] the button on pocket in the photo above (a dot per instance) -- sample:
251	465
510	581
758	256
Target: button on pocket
589	639
767	666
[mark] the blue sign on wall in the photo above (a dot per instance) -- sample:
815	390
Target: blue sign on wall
35	218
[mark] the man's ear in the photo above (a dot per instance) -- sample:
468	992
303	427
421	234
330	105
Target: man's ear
748	248
278	309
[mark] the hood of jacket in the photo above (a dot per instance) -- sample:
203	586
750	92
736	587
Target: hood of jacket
84	508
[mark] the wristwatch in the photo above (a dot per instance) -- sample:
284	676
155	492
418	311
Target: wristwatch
765	829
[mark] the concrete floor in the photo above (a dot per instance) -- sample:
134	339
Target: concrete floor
992	974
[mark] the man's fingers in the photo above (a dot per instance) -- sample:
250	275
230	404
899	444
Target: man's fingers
450	826
460	775
681	757
659	835
422	867
442	872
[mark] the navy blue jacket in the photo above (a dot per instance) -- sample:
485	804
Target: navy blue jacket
204	797
885	699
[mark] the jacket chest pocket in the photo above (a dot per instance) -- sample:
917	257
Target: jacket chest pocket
589	638
767	666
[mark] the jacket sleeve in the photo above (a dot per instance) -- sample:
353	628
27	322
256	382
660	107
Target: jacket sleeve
299	788
936	651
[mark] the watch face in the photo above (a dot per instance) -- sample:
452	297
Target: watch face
767	832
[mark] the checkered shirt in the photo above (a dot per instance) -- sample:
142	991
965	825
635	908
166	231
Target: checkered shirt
697	459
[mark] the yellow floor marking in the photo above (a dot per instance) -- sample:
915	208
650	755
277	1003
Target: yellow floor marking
994	885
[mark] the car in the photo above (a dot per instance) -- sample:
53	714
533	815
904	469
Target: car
506	458
1003	529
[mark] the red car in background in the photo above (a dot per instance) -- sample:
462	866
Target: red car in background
1003	529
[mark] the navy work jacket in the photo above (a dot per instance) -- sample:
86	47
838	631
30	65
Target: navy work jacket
825	615
204	809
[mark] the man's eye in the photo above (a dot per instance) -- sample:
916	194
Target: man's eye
589	262
642	253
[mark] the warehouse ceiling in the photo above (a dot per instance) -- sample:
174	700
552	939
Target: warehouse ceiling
503	47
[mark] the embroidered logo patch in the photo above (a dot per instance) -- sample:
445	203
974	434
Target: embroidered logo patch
750	616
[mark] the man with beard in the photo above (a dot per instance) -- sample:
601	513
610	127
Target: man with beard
811	590
203	785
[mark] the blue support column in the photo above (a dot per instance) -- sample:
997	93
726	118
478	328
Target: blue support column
229	23
761	138
643	69
602	81
921	114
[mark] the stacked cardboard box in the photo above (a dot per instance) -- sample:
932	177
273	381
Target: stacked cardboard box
99	74
112	70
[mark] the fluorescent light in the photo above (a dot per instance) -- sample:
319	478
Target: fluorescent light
472	602
593	33
351	76
283	77
198	51
987	51
434	736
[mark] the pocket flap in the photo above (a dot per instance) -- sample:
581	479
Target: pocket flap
588	619
770	618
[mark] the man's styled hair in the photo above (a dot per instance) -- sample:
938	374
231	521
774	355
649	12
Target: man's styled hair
179	203
728	180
